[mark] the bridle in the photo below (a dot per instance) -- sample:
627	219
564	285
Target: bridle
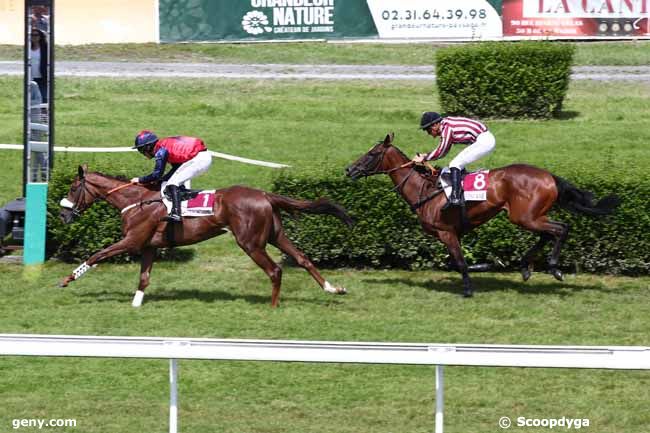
368	171
75	208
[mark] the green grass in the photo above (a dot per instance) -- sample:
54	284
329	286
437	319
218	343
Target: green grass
222	294
587	53
227	296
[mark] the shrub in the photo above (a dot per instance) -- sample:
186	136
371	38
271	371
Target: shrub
505	80
388	234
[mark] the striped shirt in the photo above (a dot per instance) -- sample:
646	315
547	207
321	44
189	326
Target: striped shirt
456	130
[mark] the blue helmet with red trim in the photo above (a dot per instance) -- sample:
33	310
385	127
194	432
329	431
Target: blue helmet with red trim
144	138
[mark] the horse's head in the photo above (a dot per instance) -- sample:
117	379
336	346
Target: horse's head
79	198
372	162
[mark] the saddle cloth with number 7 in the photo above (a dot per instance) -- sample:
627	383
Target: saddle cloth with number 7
474	184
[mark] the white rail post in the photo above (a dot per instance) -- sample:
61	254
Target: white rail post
440	398
173	396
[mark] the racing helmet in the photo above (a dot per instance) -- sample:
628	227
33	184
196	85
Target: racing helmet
144	139
429	118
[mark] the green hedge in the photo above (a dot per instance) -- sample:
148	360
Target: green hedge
505	80
387	233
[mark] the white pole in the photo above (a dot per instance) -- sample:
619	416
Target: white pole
173	396
440	398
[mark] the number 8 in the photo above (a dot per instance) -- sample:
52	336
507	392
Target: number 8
479	181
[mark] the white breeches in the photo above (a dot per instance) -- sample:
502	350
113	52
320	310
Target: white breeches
483	146
195	166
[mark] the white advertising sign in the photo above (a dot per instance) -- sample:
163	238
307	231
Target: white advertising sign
586	8
435	19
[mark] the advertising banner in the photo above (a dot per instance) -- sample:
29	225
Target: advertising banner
436	19
576	18
259	20
209	20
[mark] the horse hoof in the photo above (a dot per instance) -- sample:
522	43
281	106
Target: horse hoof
468	294
557	274
341	291
525	274
62	284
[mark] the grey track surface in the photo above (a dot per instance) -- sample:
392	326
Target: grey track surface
284	71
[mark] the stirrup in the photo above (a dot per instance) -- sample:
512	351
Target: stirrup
173	218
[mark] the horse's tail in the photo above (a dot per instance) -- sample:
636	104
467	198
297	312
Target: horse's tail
580	201
319	206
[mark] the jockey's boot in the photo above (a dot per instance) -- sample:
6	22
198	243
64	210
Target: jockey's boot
175	215
456	197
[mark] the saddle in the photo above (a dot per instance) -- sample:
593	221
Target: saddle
184	193
194	202
445	177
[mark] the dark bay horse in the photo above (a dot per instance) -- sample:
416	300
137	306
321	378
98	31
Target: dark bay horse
525	192
253	217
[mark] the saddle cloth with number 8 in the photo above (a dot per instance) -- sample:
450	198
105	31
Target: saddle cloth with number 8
474	184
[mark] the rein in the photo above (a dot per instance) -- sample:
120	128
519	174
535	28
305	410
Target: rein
421	201
117	188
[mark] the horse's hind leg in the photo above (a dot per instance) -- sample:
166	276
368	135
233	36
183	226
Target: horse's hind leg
286	246
526	259
549	230
146	264
557	246
264	261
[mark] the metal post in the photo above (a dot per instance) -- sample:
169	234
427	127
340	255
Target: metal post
440	398
173	396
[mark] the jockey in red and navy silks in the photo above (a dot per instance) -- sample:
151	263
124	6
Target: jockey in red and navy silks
187	156
456	130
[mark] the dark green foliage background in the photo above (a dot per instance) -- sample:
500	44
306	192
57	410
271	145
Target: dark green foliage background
388	233
504	80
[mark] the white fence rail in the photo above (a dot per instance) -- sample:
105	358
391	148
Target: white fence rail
596	357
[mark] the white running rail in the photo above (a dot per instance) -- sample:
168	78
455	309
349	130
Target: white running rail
128	149
596	357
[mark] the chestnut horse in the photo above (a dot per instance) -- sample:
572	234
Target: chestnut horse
525	192
253	217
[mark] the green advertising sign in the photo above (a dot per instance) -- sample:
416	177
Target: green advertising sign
209	20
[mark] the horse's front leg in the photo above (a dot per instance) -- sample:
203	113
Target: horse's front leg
123	246
453	246
148	255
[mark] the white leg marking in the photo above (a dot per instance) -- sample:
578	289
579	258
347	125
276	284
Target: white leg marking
137	299
331	289
82	269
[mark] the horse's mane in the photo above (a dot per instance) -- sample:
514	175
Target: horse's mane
400	151
422	171
120	178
